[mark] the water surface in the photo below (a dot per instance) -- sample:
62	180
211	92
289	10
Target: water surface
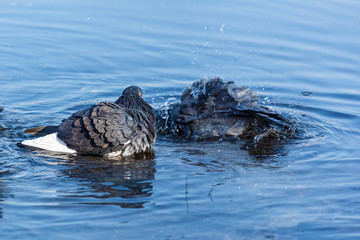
302	58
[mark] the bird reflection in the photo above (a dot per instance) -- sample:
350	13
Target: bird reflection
126	182
226	156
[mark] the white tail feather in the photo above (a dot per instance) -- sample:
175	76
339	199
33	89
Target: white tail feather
49	142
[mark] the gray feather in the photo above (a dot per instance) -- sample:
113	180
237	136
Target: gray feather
107	127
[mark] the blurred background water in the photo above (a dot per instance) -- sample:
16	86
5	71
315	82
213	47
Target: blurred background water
303	58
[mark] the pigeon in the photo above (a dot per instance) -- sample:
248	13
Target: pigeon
211	109
122	128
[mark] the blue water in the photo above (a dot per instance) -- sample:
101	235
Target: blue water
303	58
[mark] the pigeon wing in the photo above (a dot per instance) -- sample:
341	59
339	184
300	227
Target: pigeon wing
102	129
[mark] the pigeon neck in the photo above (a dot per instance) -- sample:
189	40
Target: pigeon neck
128	101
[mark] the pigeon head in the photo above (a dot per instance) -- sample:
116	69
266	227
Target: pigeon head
132	98
132	90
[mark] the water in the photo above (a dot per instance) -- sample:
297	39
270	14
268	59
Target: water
302	58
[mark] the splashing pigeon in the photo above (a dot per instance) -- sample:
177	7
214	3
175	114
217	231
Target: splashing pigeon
212	109
122	128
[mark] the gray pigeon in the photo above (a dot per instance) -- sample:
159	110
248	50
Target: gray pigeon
123	128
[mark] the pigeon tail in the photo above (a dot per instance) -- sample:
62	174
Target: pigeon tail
49	142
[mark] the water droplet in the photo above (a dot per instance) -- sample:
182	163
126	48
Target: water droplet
222	28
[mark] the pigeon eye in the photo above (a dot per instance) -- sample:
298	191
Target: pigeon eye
140	94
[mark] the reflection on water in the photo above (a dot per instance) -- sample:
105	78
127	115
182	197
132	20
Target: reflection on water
127	183
224	156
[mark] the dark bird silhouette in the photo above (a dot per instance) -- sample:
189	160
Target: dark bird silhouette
123	128
211	109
